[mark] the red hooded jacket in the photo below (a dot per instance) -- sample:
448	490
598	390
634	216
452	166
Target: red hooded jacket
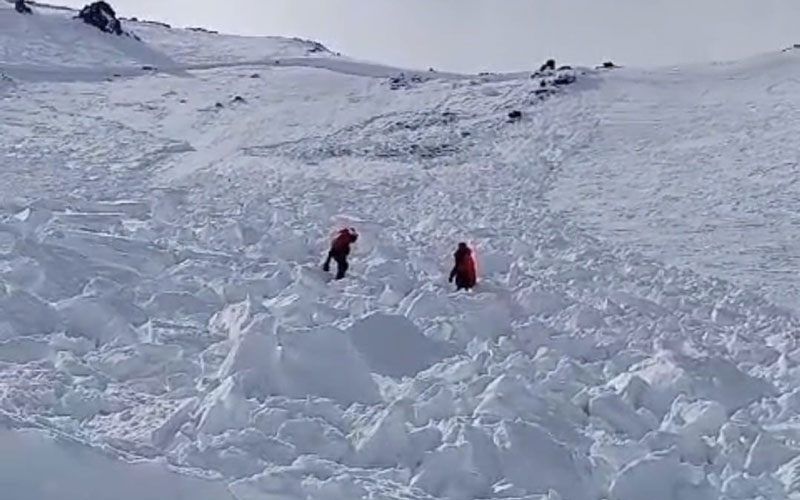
341	243
464	268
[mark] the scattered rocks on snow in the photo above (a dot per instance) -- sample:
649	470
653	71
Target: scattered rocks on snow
404	81
102	16
203	30
312	47
21	7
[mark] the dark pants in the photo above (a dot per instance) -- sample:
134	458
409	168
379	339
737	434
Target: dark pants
341	263
463	282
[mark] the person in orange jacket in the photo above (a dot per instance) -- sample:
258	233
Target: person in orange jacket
340	249
464	268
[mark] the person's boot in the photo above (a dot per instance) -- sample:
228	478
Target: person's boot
326	266
341	269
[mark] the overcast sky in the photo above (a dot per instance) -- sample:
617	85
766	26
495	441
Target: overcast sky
500	35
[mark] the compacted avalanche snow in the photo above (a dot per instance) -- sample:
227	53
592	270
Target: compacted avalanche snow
161	298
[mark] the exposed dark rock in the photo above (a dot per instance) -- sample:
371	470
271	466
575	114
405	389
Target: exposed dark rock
101	16
515	115
566	77
239	99
404	81
203	30
550	65
312	47
255	75
21	7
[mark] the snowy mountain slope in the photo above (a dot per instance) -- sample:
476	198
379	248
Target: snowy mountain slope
162	296
716	169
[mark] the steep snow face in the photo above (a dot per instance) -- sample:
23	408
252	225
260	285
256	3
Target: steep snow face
161	234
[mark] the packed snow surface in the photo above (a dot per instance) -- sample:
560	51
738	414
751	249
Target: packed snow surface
34	466
165	205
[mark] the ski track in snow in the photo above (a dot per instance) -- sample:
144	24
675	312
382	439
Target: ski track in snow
161	294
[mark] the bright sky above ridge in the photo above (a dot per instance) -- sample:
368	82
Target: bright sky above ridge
500	35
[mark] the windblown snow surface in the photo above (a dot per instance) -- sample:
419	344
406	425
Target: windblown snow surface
161	298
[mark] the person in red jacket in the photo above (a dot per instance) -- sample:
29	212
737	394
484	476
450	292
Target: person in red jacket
464	268
340	249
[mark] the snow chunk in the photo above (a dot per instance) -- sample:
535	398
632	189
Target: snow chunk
464	470
767	454
323	362
540	302
22	314
715	379
622	418
449	472
387	441
534	461
392	345
692	422
161	436
315	436
254	357
23	350
587	318
231	319
224	408
661	477
95	320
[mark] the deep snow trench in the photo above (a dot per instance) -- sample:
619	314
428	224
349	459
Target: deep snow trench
161	296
